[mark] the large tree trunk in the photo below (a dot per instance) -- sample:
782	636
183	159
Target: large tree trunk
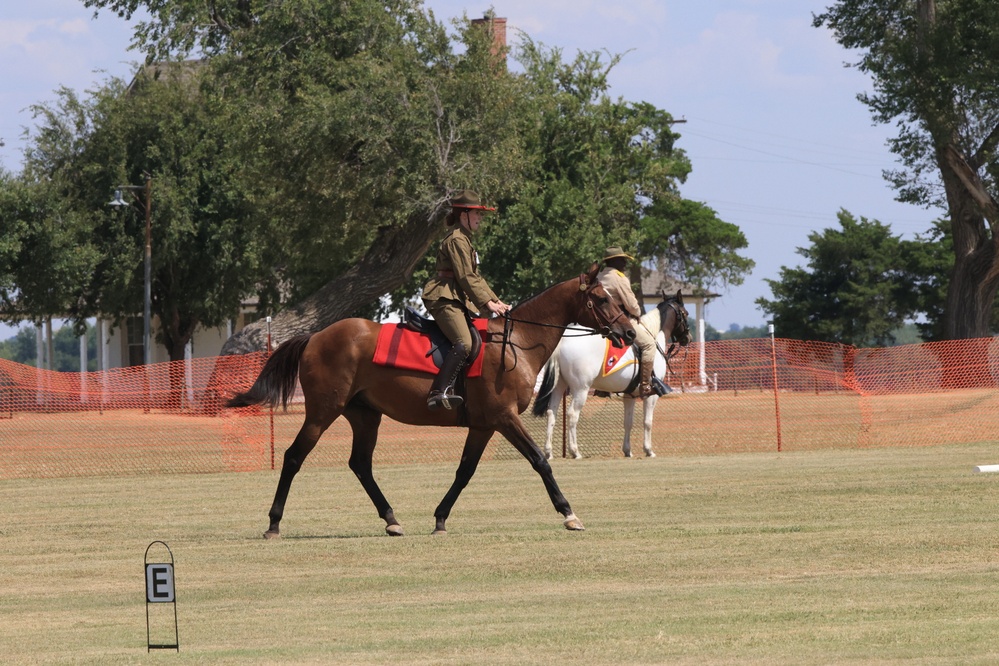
388	263
975	222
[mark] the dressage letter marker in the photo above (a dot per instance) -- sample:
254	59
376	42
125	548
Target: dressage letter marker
160	590
159	583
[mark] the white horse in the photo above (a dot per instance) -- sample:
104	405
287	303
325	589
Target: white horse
581	363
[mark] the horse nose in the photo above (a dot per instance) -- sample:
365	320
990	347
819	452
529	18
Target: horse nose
629	336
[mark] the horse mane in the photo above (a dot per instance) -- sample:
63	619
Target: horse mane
653	320
527	301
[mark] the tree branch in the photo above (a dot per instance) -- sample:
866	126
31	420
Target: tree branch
389	262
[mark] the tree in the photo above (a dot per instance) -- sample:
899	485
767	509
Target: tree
600	172
159	127
353	122
23	348
935	69
853	290
45	250
692	244
591	165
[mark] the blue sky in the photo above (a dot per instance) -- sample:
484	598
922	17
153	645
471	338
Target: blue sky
778	141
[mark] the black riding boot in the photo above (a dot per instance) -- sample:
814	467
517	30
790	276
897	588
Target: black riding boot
442	392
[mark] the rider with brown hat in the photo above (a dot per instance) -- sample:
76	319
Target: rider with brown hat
616	284
456	291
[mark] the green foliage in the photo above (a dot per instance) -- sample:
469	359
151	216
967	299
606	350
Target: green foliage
600	172
593	165
360	120
314	139
935	68
692	244
23	348
854	290
45	249
202	250
735	332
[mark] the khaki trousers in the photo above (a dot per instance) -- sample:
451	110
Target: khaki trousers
451	318
646	343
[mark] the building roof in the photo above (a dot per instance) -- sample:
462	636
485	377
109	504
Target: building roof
654	283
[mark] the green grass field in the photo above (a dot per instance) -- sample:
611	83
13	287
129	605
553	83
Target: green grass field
859	556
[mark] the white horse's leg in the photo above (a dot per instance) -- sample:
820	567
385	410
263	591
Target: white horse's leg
548	430
629	419
578	400
553	404
649	409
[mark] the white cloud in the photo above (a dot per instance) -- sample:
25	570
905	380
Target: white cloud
76	26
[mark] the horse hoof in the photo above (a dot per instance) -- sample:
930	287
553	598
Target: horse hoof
573	524
394	530
439	533
272	534
650	454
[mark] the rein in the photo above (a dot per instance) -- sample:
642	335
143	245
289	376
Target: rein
580	331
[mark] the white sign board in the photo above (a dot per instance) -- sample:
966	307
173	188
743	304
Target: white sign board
159	583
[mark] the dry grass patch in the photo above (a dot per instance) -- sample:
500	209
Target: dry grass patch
876	556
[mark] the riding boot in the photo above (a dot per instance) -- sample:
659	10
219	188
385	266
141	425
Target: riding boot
645	382
442	391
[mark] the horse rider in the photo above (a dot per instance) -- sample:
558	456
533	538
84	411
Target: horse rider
456	291
614	281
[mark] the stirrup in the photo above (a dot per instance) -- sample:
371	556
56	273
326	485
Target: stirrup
658	387
438	399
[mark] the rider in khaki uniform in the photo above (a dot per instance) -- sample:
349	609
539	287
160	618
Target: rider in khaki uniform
456	291
614	281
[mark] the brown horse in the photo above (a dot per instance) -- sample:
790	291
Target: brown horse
338	377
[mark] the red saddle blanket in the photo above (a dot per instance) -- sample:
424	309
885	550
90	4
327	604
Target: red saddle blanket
401	347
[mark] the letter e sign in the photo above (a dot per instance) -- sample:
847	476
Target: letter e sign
159	583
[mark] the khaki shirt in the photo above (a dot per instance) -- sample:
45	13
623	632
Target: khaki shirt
619	288
457	257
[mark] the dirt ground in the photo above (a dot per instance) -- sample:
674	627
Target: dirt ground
133	441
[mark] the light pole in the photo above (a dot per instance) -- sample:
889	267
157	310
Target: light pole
147	200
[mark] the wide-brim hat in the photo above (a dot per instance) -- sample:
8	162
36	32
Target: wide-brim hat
468	200
614	252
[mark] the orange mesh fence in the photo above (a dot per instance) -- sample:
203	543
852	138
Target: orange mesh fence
729	396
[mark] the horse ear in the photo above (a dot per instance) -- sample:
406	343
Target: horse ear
679	296
594	269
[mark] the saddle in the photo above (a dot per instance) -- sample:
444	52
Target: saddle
439	343
417	343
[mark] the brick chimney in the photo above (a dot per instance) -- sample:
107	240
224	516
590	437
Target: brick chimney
497	29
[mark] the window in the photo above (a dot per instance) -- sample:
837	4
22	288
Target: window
133	340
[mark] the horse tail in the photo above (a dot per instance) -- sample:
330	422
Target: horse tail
544	397
276	382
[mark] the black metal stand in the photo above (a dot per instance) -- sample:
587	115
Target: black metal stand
159	590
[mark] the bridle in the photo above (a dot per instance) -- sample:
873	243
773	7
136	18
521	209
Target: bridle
602	319
681	317
587	290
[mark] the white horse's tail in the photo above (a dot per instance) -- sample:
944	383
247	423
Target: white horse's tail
544	396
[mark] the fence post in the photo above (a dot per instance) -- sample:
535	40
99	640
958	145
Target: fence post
272	407
773	364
